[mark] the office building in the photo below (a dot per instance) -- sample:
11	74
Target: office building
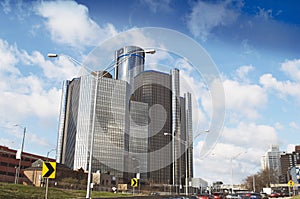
288	161
153	88
129	63
142	124
111	139
168	111
271	161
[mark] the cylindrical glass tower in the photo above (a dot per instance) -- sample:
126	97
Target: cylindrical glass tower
129	63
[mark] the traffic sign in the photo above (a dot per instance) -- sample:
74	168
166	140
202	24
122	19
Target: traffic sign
134	182
291	183
49	169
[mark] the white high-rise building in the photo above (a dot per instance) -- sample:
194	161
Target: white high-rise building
271	160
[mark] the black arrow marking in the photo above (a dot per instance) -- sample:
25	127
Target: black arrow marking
50	170
134	184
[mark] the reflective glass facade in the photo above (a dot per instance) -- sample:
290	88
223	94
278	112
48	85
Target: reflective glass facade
62	116
130	62
69	138
176	131
138	140
153	88
129	127
189	132
111	141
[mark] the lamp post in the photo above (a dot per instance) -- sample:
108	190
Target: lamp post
98	76
49	153
18	170
47	179
52	55
253	178
232	158
186	160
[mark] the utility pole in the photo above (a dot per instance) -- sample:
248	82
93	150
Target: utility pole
20	161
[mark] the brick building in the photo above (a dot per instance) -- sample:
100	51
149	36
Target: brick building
287	161
9	164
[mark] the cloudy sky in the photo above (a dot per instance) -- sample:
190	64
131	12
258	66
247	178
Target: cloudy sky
254	44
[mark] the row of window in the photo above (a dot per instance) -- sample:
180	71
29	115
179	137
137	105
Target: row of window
5	164
5	155
10	174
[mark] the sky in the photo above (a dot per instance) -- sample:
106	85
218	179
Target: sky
254	45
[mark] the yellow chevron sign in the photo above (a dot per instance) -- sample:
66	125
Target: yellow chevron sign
49	169
291	183
134	182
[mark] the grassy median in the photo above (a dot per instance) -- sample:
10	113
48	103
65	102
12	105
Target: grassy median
15	191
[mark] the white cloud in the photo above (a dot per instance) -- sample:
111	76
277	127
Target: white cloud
292	69
188	83
225	157
69	23
244	144
290	148
6	6
244	100
242	72
251	135
156	5
58	69
283	88
278	126
26	94
207	16
8	59
23	95
264	14
294	125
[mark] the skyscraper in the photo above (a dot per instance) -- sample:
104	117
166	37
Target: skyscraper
288	161
111	140
142	124
129	63
169	114
271	161
153	88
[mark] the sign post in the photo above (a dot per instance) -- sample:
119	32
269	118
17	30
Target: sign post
291	183
48	171
134	183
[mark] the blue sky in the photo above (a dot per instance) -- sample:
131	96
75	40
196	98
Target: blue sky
254	44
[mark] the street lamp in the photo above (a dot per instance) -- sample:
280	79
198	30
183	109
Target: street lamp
98	76
173	159
50	152
185	142
20	161
52	55
47	179
232	158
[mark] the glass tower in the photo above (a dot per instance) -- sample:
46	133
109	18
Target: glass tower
153	88
134	112
129	63
111	141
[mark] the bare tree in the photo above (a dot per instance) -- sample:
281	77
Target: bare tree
261	179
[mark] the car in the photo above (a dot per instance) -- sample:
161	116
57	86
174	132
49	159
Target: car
264	195
205	196
218	195
233	196
274	195
255	196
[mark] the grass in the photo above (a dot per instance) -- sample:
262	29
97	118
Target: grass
15	191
